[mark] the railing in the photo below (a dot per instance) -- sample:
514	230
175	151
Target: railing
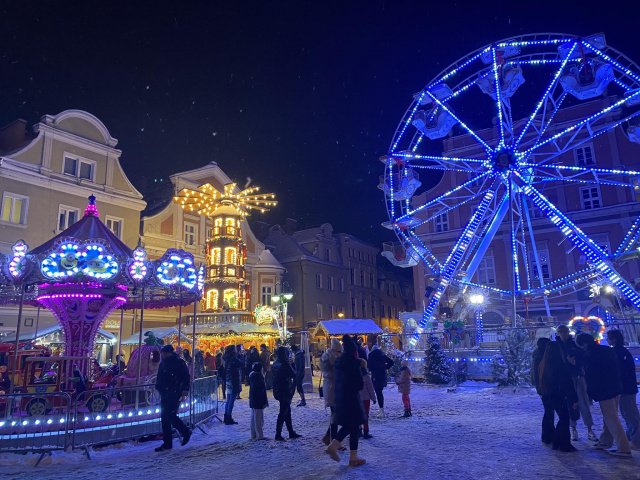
220	317
44	422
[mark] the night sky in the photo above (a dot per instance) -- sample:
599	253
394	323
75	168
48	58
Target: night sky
301	96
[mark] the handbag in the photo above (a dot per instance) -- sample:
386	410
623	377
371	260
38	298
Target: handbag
320	385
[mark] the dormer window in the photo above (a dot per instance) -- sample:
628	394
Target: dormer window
80	168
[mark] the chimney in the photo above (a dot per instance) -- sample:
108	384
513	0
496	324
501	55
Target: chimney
290	226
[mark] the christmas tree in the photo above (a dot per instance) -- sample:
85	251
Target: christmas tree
388	346
436	368
513	366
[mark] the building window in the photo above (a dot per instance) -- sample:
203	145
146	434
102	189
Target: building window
362	278
441	223
341	284
327	254
115	225
353	307
190	233
330	285
79	168
590	198
545	268
373	309
364	307
212	299
486	271
371	279
319	310
67	216
318	280
14	208
231	298
331	312
266	296
584	156
353	276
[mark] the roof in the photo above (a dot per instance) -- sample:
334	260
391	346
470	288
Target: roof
159	332
347	326
239	328
55	329
266	259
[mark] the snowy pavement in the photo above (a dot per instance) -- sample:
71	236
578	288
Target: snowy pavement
475	433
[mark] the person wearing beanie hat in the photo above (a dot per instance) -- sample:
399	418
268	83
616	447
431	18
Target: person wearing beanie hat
404	387
172	383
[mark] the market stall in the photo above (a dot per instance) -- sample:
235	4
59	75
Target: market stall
345	326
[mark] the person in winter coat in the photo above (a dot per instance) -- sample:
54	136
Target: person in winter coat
283	388
575	358
187	357
233	369
362	352
265	360
209	362
627	403
404	387
604	386
252	358
368	395
222	373
328	365
548	428
379	363
299	363
172	383
257	401
556	388
198	363
349	409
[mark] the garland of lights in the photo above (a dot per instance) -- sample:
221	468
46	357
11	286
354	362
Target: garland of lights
176	268
18	263
592	325
77	258
206	200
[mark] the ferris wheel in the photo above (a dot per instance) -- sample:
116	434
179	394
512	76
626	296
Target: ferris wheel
510	112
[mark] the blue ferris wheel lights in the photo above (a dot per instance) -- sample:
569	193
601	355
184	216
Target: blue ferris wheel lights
408	122
498	99
457	69
534	42
611	61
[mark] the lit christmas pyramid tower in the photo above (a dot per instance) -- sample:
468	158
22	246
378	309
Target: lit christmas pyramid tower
226	287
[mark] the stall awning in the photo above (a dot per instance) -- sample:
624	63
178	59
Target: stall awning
347	326
102	337
238	328
159	332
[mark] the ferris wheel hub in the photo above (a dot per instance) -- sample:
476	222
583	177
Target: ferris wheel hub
503	160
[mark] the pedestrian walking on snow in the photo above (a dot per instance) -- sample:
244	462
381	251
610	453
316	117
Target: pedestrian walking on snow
265	360
257	401
604	386
299	362
404	387
548	417
172	383
378	364
233	370
283	389
627	404
368	395
328	365
349	408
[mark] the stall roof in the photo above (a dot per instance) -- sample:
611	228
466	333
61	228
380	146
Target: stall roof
159	332
238	328
53	329
347	326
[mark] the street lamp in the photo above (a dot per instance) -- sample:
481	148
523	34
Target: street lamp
283	299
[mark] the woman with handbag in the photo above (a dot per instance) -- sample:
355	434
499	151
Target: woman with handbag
556	387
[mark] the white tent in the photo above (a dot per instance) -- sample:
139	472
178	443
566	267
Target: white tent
347	326
159	332
103	336
239	328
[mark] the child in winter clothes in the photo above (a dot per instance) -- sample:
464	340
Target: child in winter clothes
404	387
368	395
257	401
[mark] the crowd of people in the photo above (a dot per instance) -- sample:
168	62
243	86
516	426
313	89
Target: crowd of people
569	375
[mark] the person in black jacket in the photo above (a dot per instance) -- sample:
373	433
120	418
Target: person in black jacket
628	405
604	386
556	387
299	363
233	369
575	358
378	364
172	383
257	401
252	358
548	428
283	388
222	373
349	410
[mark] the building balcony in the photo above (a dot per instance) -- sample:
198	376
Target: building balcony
226	271
234	232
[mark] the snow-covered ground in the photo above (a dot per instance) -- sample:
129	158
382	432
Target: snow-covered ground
474	433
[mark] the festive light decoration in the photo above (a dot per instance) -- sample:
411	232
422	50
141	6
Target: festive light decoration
18	263
76	259
176	268
592	325
505	166
138	269
92	208
207	200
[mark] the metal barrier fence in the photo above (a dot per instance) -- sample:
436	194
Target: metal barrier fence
43	422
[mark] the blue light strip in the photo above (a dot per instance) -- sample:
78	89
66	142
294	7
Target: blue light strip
524	215
444	195
487	287
498	97
593	252
611	61
393	209
622	84
543	179
630	238
452	262
535	42
462	124
434	264
437	159
516	270
457	69
408	122
551	86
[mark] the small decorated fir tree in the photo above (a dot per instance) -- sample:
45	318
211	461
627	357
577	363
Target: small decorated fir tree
437	368
512	367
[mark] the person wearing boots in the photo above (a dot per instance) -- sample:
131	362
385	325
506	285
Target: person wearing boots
233	369
378	364
404	387
627	404
299	362
257	401
548	428
574	357
328	366
172	383
283	389
368	395
604	386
